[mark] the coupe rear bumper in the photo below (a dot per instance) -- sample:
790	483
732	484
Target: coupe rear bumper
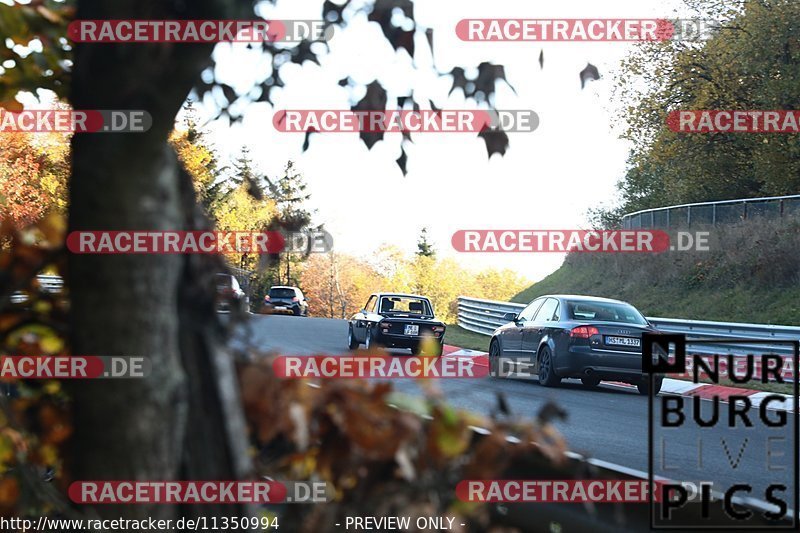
402	341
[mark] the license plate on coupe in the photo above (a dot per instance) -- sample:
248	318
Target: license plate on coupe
411	329
624	341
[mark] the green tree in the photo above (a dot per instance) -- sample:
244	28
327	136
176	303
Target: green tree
751	62
425	248
290	194
242	206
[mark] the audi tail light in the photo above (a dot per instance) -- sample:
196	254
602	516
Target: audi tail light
583	332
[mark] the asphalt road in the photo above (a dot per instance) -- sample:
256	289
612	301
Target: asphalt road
608	423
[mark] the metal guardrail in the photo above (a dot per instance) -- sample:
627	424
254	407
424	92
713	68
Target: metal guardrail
713	213
484	316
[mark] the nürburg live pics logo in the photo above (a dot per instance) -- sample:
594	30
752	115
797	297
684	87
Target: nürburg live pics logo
724	458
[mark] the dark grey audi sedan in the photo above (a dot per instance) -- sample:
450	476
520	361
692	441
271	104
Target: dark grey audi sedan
566	336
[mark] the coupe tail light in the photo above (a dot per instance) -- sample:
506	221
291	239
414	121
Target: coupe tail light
583	332
266	298
295	299
438	329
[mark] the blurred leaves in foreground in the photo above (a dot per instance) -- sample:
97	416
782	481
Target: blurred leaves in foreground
35	420
379	456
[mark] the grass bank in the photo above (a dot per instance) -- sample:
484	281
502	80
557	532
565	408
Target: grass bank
751	273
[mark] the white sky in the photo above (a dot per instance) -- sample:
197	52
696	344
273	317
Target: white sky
547	179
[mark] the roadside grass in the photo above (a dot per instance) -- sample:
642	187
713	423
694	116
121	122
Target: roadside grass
731	304
734	281
750	274
455	335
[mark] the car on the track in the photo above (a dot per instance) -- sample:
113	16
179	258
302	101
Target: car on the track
397	321
567	336
282	299
230	294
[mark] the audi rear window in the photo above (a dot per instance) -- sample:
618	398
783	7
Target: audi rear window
605	312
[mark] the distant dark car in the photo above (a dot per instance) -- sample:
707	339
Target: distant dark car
563	336
230	294
286	300
397	321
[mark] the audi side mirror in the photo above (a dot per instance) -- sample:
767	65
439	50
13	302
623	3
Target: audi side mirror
510	317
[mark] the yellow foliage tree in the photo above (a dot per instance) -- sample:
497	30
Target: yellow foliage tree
34	170
239	211
337	285
228	202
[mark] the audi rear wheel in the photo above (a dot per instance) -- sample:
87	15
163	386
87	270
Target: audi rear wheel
494	358
644	387
547	374
590	382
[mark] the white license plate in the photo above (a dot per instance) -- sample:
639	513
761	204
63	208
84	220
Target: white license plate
281	307
623	341
412	329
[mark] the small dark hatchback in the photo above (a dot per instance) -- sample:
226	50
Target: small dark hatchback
286	300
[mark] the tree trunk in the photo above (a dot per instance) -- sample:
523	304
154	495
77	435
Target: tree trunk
184	420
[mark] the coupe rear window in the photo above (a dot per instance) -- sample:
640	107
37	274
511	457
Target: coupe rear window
405	305
281	293
605	312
